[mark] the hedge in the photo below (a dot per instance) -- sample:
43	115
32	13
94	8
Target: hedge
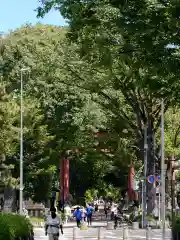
15	227
176	224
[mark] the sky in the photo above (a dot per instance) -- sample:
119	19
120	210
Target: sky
15	13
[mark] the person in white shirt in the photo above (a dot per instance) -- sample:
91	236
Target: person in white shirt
52	225
25	212
84	214
113	210
67	213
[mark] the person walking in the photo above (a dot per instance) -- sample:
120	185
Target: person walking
96	208
106	211
112	211
52	225
67	213
78	216
84	214
89	212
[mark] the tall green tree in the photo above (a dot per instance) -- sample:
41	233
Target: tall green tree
125	48
57	117
172	132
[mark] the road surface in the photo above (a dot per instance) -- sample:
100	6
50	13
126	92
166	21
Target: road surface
92	233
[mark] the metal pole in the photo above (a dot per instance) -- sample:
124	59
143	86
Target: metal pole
21	150
159	207
163	208
21	146
173	197
142	197
145	173
63	181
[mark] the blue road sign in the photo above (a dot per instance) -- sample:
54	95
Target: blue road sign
150	178
158	178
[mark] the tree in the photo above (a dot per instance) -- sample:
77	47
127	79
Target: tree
124	49
37	138
9	132
172	132
57	117
8	118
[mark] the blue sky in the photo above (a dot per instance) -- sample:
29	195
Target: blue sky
14	13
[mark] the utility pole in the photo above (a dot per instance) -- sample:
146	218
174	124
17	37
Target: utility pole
145	175
163	202
173	180
142	202
21	145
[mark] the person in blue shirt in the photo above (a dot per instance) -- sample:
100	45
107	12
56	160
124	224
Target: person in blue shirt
78	215
89	212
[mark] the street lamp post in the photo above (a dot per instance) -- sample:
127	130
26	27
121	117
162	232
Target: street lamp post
145	177
163	203
21	146
142	203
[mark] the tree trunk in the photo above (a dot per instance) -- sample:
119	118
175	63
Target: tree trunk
151	188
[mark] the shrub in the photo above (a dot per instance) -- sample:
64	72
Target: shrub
14	226
5	231
176	225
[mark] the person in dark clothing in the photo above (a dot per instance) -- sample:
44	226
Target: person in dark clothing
1	203
78	215
118	214
105	211
96	208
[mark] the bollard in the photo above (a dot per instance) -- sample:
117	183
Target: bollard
101	233
84	226
75	233
135	225
125	234
110	225
148	233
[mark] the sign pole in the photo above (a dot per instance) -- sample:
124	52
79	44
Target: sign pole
163	203
145	174
142	201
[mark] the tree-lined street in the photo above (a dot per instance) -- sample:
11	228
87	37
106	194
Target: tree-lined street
87	109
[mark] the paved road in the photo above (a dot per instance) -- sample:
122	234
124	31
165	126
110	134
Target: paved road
92	233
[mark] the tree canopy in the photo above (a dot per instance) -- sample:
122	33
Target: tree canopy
125	51
57	116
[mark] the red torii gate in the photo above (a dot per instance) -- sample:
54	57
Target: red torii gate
64	173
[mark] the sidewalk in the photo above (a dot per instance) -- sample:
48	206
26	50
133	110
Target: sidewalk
92	234
95	224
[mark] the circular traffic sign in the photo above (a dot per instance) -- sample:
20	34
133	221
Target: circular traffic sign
150	178
158	178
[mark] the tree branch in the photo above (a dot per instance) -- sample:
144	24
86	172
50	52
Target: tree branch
113	103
